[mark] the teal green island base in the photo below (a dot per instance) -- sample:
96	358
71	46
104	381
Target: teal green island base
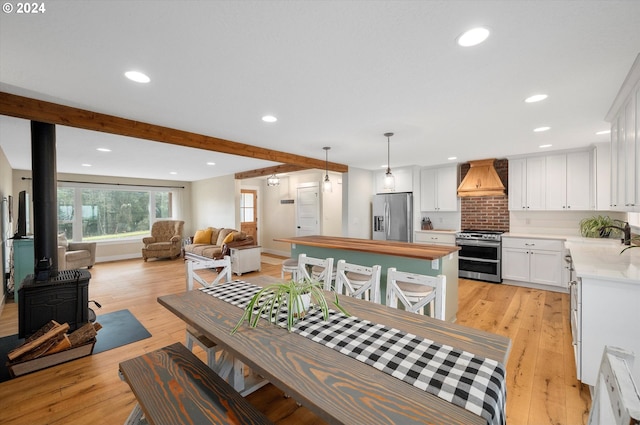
446	265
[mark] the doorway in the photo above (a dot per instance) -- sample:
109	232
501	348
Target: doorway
308	210
249	213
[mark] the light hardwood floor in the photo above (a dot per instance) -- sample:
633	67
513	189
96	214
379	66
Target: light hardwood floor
542	388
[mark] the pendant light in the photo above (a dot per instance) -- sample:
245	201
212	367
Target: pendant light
326	185
273	180
389	180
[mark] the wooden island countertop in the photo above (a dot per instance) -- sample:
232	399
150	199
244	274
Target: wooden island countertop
400	249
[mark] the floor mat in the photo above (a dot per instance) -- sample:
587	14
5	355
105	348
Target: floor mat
118	328
276	261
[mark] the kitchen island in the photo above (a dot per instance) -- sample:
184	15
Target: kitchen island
604	303
430	260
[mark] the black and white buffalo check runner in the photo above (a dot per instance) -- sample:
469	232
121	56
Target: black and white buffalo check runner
474	383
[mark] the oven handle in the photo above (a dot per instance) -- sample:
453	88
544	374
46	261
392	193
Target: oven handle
472	242
479	260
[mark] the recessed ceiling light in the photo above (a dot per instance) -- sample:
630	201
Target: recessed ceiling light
173	172
86	165
137	76
536	98
269	118
541	129
599	133
211	163
451	158
544	146
103	150
473	37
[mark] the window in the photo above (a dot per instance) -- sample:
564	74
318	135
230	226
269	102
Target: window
248	206
107	213
634	219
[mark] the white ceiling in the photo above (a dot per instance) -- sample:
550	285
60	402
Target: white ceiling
335	73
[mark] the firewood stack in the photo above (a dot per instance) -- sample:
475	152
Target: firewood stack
52	338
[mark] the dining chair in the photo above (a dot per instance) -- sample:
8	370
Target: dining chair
415	291
616	399
325	275
358	281
223	266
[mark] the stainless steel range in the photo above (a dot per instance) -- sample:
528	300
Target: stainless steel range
480	254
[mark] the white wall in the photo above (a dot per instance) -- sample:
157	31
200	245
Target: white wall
274	219
357	189
331	207
278	220
554	222
214	203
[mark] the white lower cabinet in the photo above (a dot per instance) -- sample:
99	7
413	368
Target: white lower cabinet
607	314
537	261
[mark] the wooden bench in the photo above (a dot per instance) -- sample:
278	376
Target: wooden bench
175	387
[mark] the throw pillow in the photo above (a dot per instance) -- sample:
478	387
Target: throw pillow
203	236
62	240
228	238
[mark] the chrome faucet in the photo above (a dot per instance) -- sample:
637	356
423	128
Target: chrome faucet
626	230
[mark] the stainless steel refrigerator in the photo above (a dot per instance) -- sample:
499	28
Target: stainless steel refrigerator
393	217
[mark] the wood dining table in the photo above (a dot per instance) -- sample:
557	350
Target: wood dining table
336	387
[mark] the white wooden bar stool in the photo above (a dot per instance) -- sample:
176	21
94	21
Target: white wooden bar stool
290	265
326	273
415	291
358	281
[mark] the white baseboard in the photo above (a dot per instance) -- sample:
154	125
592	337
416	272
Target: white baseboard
532	285
118	257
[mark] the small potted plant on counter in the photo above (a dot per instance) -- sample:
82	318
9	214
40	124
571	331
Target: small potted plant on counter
596	227
296	297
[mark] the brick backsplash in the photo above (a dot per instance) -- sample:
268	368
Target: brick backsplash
486	212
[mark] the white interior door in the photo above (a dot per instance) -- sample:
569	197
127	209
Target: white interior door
308	211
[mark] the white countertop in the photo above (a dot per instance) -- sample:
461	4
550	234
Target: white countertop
595	257
601	259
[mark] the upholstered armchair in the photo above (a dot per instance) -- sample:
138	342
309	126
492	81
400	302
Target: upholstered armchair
75	255
165	240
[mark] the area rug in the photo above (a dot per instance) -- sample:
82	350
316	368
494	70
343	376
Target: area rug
118	328
276	261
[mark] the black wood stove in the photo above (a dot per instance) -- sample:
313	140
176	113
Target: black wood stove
48	294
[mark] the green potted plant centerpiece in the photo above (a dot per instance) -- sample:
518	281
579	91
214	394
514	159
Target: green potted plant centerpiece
297	297
593	227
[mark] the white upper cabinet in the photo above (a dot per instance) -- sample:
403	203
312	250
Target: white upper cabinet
403	180
527	184
624	117
555	182
580	181
569	184
438	188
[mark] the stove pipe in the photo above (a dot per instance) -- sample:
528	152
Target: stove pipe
45	200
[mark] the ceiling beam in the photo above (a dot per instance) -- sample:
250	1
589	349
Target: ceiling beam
53	113
261	172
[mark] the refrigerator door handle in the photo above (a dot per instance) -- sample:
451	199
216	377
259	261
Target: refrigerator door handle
387	218
409	218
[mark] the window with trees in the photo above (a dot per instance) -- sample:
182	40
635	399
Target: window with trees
108	213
